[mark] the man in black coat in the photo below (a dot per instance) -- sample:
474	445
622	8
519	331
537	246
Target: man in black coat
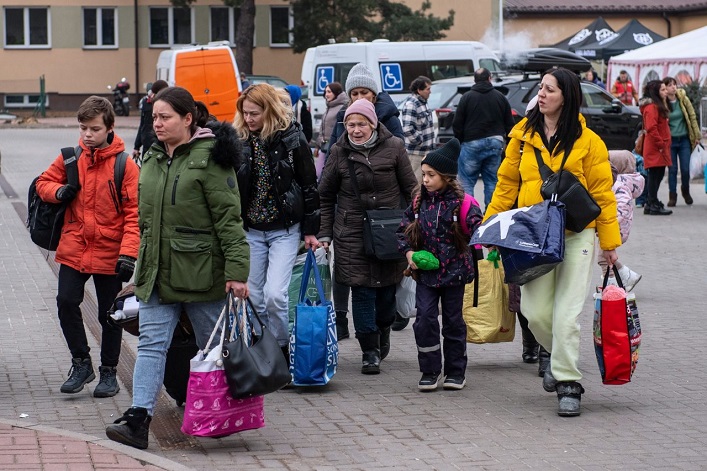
482	121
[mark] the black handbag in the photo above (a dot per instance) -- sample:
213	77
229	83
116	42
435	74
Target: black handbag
379	228
580	208
254	364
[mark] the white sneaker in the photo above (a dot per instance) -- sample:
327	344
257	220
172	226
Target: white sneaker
629	278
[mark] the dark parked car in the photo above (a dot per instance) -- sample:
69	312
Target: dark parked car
616	123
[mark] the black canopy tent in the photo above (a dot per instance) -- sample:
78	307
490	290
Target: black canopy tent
630	37
594	32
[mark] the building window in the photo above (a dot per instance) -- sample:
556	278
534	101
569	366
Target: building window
27	27
224	21
280	25
170	26
100	27
23	101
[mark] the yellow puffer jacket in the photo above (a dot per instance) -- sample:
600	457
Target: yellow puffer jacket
519	177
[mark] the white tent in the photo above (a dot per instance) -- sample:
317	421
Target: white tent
683	57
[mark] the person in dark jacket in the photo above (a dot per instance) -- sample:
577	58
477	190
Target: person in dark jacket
280	201
434	223
482	121
300	111
192	244
145	136
383	176
360	84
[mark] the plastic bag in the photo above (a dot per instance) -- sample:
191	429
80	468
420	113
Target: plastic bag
698	160
405	298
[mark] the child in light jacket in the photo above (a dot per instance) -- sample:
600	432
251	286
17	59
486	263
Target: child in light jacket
627	186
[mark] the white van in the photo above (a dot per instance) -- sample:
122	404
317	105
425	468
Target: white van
397	64
209	73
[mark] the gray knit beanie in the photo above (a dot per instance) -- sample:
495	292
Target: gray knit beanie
361	76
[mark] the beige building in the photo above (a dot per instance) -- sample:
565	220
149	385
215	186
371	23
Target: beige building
81	47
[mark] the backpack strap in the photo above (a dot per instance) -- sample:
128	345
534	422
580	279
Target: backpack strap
464	212
119	173
71	156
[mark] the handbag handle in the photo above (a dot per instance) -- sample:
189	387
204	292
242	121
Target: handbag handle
311	264
221	322
545	171
616	276
241	309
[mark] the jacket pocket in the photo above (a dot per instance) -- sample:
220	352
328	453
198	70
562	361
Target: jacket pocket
191	265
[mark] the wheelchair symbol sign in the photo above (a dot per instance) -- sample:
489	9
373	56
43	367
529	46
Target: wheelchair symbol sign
391	77
325	75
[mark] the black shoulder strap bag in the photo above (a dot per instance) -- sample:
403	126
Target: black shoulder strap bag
581	208
379	226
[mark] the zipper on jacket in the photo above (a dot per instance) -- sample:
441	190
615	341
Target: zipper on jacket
113	196
191	230
174	190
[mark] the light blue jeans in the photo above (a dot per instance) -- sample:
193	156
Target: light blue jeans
272	257
157	324
480	156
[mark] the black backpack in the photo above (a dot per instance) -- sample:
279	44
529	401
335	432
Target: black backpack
45	220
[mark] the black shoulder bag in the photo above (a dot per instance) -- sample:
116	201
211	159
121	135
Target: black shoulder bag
581	208
379	227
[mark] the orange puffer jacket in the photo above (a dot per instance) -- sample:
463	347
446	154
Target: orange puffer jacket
96	228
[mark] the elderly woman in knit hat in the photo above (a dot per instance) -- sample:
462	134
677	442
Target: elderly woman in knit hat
361	85
368	153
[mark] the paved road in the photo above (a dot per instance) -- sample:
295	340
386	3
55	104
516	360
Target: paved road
501	420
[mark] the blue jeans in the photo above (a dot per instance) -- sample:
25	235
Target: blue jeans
480	156
272	256
157	324
680	150
373	309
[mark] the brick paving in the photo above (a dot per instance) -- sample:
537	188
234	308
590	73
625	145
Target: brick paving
501	420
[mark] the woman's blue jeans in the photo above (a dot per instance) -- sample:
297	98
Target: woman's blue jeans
680	150
157	324
373	309
272	257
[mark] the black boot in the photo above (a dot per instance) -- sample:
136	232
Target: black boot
543	361
530	346
400	322
342	325
108	383
686	194
656	209
131	429
385	342
569	397
81	373
371	359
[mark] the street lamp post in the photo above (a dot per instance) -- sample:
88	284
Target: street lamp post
500	25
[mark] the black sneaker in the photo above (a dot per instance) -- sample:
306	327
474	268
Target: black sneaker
108	383
131	429
454	382
429	382
80	374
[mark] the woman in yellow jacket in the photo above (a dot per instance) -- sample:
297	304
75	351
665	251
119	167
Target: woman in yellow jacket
552	303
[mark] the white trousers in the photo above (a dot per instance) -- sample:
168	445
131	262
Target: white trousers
552	304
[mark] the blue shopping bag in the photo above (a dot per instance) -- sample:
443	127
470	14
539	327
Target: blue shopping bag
314	350
531	239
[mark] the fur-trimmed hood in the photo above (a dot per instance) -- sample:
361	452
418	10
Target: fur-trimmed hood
227	148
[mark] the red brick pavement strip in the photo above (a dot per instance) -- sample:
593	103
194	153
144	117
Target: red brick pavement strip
36	447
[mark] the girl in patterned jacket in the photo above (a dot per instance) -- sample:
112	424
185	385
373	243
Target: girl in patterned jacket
433	223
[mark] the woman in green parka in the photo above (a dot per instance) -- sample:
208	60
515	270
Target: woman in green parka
192	244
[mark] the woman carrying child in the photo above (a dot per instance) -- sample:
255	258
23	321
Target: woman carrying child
433	223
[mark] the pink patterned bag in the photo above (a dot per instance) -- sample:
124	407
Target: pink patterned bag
210	411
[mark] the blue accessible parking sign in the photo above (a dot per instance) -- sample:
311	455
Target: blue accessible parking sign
325	75
391	77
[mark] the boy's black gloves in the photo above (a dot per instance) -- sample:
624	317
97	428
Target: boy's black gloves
66	192
125	268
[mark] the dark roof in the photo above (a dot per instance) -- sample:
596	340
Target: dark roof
602	6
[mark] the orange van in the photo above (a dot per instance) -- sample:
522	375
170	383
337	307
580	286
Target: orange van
209	73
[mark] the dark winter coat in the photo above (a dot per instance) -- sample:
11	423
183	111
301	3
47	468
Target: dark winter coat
384	178
191	234
482	112
295	179
386	111
145	136
436	217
